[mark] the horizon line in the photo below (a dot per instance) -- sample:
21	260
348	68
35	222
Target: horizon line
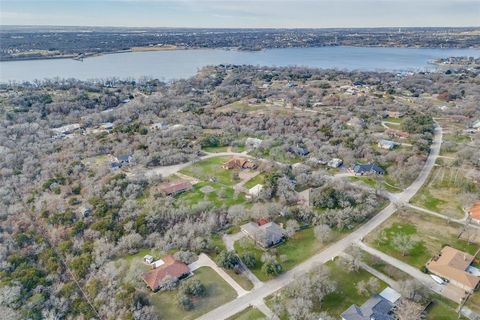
233	28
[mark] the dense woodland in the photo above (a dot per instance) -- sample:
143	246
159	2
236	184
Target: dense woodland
46	242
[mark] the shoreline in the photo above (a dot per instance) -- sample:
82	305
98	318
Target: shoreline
178	48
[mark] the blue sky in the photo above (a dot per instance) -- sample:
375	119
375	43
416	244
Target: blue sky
244	14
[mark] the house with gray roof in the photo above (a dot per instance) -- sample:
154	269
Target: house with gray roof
378	307
265	235
369	168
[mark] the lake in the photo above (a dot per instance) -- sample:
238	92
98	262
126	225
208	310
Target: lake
168	65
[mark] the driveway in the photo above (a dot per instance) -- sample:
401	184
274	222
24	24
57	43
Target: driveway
229	240
256	295
205	261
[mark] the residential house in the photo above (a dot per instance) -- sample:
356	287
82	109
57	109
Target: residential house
171	269
67	129
453	265
265	235
365	169
394	133
302	152
386	144
253	143
108	126
393	114
124	159
120	161
474	212
175	187
335	163
148	259
239	163
476	126
255	191
378	307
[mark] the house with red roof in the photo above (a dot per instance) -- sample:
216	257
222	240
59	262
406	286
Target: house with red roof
474	212
171	269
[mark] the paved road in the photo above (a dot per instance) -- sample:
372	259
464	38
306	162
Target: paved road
256	295
205	261
449	292
436	214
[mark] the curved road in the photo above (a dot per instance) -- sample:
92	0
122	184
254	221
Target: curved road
256	295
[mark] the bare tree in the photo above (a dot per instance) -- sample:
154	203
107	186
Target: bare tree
406	309
403	243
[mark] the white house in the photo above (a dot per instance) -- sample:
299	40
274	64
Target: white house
253	143
386	144
148	259
255	191
335	163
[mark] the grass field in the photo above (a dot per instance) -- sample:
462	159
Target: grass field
259	179
224	149
218	293
385	268
442	309
215	149
211	167
388	184
430	233
346	293
251	313
221	196
443	192
474	302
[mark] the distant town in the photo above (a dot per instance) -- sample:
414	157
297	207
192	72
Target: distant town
21	43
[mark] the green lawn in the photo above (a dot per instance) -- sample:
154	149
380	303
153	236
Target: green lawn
346	293
442	309
218	293
215	149
474	301
394	120
388	184
444	191
296	249
259	179
385	268
221	196
257	252
211	167
238	149
430	233
250	313
418	255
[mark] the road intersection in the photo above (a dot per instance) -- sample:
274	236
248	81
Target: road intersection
256	296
